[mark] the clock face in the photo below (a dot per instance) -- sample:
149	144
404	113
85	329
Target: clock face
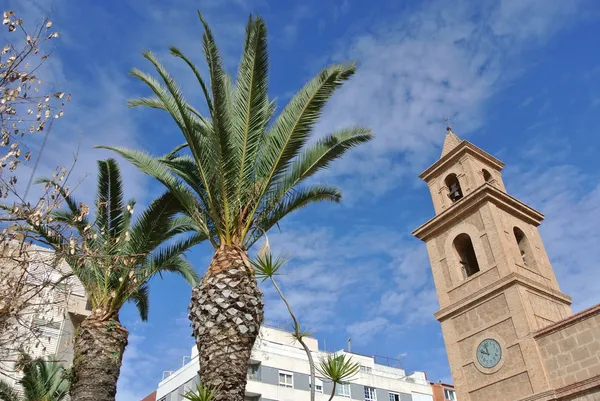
489	353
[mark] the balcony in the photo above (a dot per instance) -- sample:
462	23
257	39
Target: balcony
80	306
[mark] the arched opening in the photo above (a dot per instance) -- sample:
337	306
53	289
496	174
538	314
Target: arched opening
486	175
454	187
524	248
466	255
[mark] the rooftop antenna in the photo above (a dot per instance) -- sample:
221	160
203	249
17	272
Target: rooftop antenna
349	344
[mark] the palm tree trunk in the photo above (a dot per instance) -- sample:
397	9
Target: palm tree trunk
226	312
99	347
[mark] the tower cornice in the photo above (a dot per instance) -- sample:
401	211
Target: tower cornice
496	288
485	193
465	147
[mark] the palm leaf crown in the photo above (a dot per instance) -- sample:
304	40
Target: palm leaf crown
114	257
244	168
43	380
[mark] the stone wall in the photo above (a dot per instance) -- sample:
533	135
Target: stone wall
570	350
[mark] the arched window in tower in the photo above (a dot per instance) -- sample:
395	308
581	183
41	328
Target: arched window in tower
466	255
524	248
455	193
486	175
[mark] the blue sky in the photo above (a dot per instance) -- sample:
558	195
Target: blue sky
519	78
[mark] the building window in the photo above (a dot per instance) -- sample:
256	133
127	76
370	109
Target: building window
455	193
486	175
466	255
449	394
394	397
318	384
524	248
286	379
370	394
343	390
253	372
365	369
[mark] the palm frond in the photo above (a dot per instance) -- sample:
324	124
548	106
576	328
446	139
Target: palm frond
178	53
251	103
157	169
197	132
8	393
150	228
142	301
292	201
43	379
293	126
320	155
177	264
115	198
222	149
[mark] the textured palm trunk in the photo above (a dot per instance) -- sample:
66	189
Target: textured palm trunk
226	312
99	347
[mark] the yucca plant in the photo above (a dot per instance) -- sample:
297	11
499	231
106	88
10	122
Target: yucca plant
202	393
245	171
43	380
337	368
114	257
266	268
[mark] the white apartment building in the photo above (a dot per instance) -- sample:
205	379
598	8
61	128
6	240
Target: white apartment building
64	307
279	371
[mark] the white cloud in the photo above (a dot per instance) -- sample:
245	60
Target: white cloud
570	199
442	60
363	332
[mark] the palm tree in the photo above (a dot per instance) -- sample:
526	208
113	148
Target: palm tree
245	171
338	369
114	258
43	380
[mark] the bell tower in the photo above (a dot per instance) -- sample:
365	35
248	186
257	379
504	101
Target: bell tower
494	281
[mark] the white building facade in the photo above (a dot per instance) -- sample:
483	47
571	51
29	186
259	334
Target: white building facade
48	326
279	371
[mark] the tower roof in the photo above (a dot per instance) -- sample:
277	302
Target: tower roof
451	141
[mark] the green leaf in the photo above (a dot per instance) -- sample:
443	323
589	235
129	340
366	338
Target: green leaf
266	267
338	368
202	393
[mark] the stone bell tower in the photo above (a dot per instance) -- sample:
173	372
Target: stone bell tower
495	284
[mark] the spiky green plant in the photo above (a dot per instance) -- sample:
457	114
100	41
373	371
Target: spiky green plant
339	368
202	393
244	170
267	268
114	257
43	380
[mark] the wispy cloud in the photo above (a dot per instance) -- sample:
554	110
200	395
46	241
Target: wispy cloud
442	60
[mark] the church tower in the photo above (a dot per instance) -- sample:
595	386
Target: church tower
494	281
